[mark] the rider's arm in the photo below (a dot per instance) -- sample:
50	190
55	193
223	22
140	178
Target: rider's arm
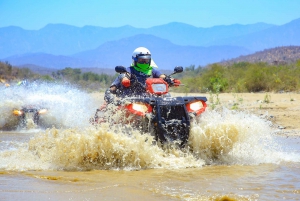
170	80
118	82
115	85
112	90
109	95
162	76
126	82
157	74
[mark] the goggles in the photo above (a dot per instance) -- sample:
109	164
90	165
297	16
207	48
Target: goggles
143	59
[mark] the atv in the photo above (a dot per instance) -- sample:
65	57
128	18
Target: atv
154	111
28	114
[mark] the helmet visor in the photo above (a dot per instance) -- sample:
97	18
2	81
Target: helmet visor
144	59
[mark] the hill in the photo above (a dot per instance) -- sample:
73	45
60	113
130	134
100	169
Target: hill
58	45
62	39
277	55
166	54
275	36
110	54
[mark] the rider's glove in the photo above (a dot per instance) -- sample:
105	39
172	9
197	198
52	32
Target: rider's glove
176	82
169	81
126	82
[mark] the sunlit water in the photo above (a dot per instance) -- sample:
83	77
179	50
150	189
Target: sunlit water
230	155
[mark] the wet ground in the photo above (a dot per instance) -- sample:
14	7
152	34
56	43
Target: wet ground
231	155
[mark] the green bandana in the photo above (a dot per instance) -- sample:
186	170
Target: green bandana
144	68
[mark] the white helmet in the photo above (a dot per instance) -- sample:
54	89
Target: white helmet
141	52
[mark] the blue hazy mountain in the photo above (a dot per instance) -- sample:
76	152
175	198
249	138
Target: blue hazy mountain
166	54
110	54
60	45
275	36
61	39
46	60
184	34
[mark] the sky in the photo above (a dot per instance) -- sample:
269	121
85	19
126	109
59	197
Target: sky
35	14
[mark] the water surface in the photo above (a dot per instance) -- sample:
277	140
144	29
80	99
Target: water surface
231	155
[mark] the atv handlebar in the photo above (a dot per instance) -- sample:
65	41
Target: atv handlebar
168	79
122	69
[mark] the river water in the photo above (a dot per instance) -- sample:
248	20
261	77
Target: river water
231	155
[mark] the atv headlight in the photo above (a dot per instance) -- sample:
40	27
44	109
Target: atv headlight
156	86
42	111
159	88
197	106
139	108
17	112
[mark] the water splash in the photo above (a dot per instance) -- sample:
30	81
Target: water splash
67	106
233	137
217	137
103	149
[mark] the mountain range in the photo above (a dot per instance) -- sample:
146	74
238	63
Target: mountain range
58	46
274	56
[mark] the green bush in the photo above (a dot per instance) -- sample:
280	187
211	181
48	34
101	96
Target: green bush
215	78
243	77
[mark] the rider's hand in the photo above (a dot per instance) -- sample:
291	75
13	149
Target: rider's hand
176	82
169	81
126	82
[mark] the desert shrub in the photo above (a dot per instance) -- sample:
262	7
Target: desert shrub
214	78
242	77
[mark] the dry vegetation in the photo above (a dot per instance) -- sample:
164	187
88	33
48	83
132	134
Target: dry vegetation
275	56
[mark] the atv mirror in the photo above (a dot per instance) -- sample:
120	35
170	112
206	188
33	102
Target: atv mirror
120	69
178	69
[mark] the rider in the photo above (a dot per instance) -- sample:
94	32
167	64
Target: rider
142	67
